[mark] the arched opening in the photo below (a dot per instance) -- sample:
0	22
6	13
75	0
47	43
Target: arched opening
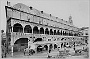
46	31
69	34
38	39
51	32
21	44
35	30
27	29
65	33
41	30
54	32
58	33
17	28
55	46
61	32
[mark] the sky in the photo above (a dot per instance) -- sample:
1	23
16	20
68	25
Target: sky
78	9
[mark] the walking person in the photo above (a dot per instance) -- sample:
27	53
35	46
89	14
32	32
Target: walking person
24	51
49	53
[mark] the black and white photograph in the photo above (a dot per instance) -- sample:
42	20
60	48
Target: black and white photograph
44	29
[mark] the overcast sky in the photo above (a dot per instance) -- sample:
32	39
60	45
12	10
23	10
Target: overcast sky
78	9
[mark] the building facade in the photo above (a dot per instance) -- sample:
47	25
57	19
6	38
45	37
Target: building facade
85	33
27	25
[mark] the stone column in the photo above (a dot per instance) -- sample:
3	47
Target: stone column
12	50
12	42
48	46
23	29
53	46
32	34
36	49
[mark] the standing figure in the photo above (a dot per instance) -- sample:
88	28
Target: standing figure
49	53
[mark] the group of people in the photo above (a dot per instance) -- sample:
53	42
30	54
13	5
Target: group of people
30	50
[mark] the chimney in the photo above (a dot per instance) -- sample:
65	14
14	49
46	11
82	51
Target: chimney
50	15
8	3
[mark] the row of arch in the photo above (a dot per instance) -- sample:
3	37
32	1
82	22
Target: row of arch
28	29
24	42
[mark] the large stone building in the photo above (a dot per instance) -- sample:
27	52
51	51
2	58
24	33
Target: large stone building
85	33
27	25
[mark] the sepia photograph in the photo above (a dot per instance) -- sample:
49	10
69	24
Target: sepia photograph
44	29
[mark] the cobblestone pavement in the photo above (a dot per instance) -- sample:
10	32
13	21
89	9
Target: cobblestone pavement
42	56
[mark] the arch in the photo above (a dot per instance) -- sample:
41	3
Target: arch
46	31
58	33
41	30
54	32
38	39
65	33
51	32
21	44
21	41
35	30
27	29
17	28
61	32
69	34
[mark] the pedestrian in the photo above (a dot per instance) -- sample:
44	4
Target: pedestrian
49	53
24	51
